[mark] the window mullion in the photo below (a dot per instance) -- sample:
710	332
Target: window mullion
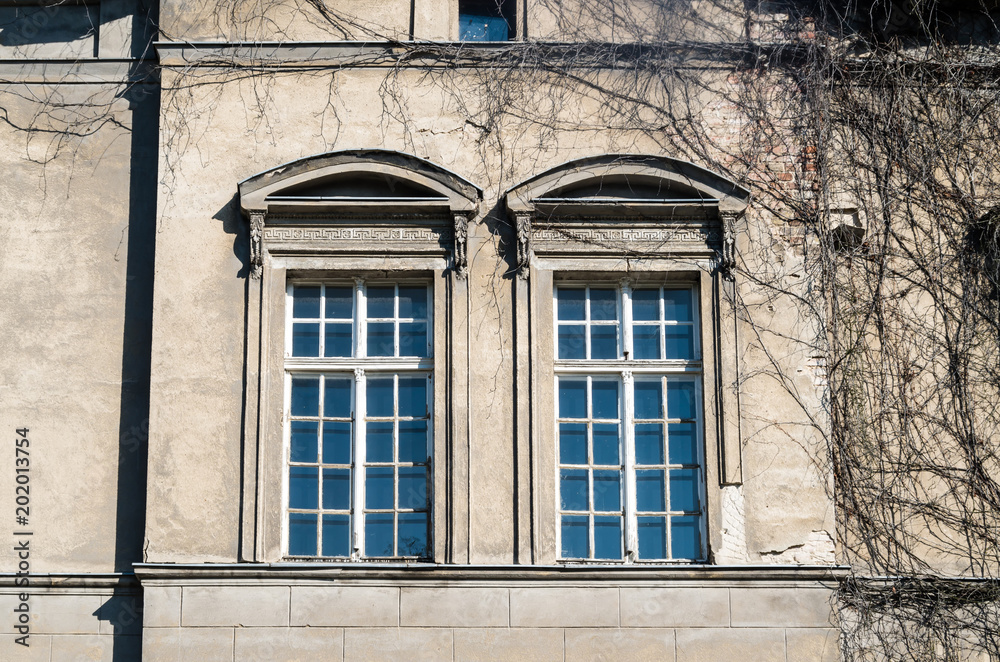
627	319
360	455
631	522
361	323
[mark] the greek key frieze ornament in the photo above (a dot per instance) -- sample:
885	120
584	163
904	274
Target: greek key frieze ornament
256	251
461	245
522	223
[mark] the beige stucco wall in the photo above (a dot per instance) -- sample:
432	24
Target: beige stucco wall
221	131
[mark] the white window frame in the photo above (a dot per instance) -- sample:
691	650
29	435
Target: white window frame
361	367
626	370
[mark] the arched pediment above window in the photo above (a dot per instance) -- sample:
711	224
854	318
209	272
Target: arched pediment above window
626	204
375	202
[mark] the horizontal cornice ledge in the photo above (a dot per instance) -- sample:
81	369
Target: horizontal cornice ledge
318	54
428	573
110	580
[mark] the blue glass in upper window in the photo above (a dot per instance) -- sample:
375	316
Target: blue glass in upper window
572	398
302	534
482	28
607	537
574	534
413	534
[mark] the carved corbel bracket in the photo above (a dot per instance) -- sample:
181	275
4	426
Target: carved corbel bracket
522	226
256	249
461	245
727	255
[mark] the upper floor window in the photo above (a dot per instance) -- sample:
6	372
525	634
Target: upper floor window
359	423
486	20
629	423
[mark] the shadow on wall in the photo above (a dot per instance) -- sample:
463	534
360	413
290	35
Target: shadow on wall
123	613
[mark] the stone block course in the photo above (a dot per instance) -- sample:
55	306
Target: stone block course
242	606
714	644
674	607
815	645
289	644
344	606
509	645
790	607
564	607
454	607
411	644
187	645
161	607
607	645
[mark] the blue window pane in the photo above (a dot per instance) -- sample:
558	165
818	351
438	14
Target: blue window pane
603	341
682	441
378	534
339	302
652	538
306	302
413	488
606	444
303	441
572	398
305	339
379	400
339	341
305	396
646	305
378	441
685	537
338	400
680	399
573	489
684	490
649	443
413	339
413	534
413	396
381	301
648	399
646	341
679	342
381	339
605	399
482	28
603	304
337	489
570	304
413	301
572	343
649	491
607	491
607	537
336	442
336	535
677	305
572	443
574	537
378	488
413	441
302	534
303	487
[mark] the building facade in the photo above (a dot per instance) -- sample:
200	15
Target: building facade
372	331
